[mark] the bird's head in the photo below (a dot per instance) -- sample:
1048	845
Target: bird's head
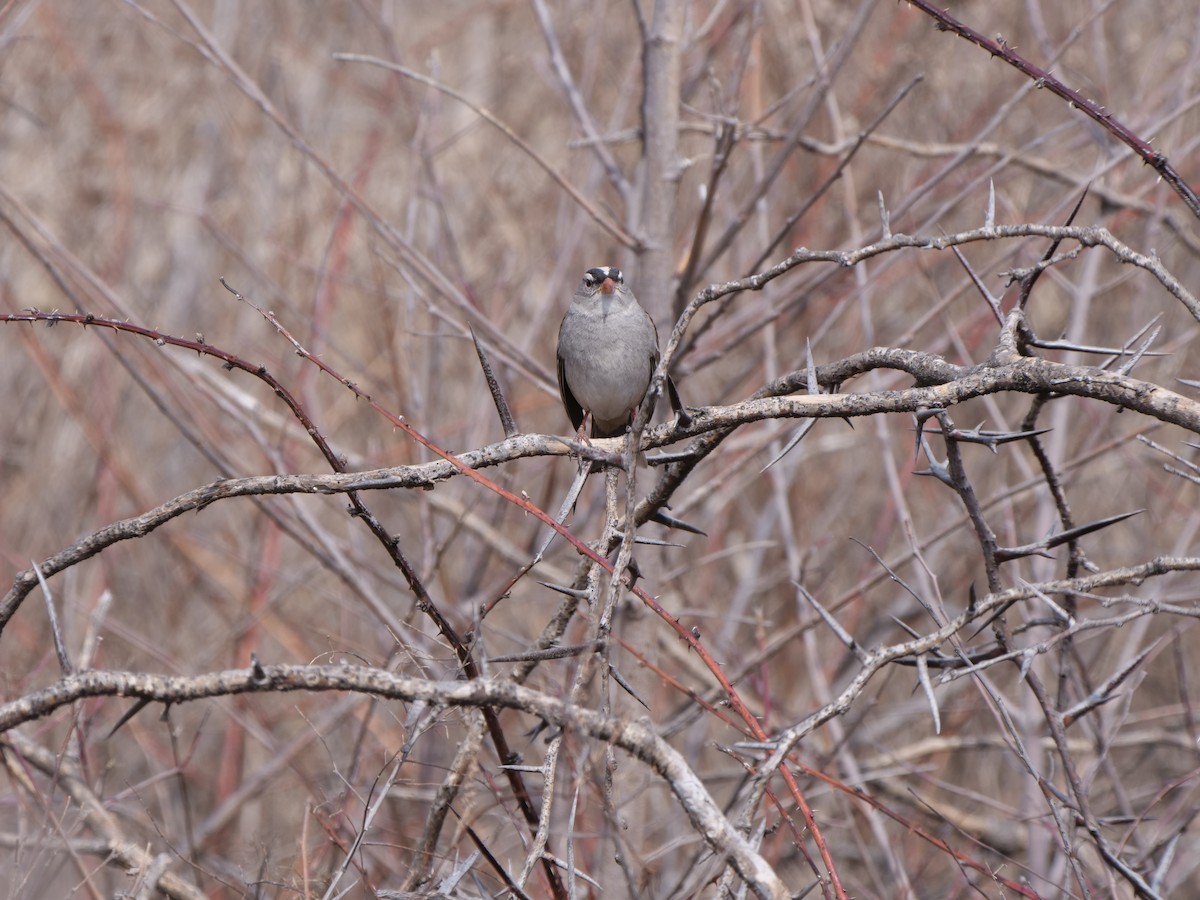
606	278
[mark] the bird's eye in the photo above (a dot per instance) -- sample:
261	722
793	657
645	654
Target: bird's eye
593	277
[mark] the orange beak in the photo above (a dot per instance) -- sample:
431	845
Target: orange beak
608	286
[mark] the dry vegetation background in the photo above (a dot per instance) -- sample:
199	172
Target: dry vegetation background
148	149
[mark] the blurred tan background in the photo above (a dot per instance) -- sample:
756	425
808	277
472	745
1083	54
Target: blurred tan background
148	149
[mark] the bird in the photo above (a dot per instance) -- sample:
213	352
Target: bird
607	353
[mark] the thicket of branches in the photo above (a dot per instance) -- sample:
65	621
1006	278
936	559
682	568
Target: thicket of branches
905	609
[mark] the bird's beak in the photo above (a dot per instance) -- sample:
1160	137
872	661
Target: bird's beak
608	286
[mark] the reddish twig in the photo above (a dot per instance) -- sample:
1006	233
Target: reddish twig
1043	79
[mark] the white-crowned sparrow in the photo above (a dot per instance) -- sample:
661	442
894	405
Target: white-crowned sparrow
607	352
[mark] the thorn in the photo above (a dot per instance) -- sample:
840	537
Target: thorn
670	521
577	593
655	542
885	217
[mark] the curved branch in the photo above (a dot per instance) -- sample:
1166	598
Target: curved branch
636	738
1028	375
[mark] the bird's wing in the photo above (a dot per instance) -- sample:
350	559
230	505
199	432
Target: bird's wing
654	357
574	410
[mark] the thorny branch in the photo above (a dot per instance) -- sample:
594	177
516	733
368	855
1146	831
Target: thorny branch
1001	49
938	386
691	132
